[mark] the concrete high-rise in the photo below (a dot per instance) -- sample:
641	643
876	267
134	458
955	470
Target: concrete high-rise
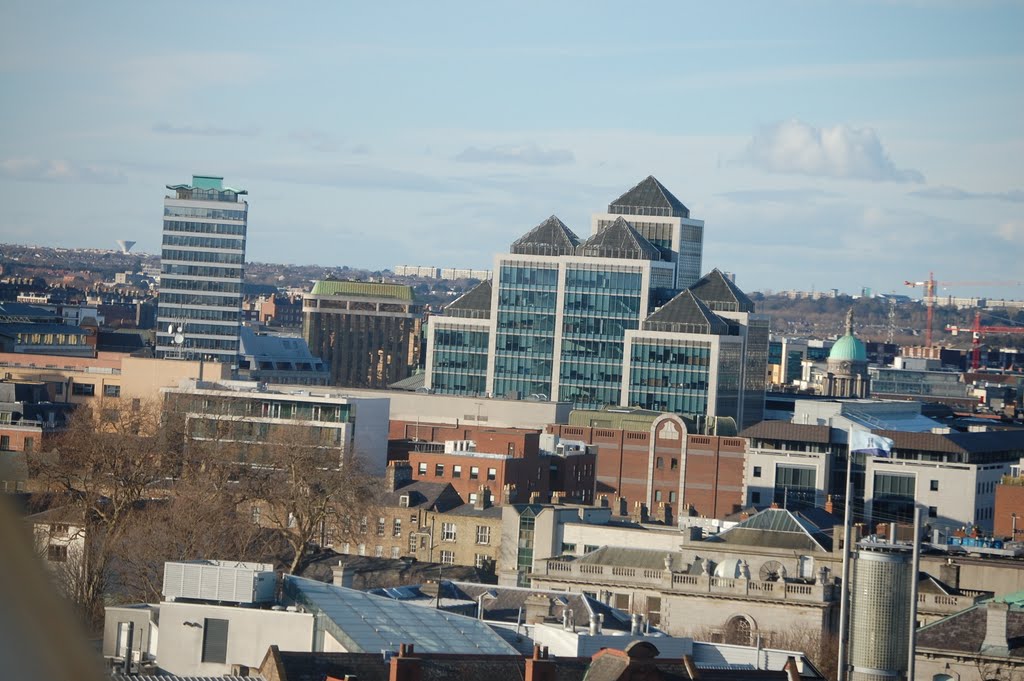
201	267
368	333
602	321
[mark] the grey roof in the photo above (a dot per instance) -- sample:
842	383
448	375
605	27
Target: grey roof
428	495
620	556
964	632
410	383
779	528
550	237
474	303
790	432
365	623
619	240
506	601
686	314
649	197
721	294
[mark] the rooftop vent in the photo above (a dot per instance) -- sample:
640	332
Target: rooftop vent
219	581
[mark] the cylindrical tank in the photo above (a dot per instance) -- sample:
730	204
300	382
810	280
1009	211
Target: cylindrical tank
880	611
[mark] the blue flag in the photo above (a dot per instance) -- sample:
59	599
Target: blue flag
863	442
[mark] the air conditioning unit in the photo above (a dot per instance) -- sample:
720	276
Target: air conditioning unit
403	501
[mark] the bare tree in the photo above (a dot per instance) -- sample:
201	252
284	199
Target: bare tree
101	469
304	488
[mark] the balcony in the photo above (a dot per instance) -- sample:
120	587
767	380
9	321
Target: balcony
680	583
943	604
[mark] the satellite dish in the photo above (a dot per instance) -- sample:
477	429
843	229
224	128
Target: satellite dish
170	328
179	338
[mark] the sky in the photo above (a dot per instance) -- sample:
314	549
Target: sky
825	144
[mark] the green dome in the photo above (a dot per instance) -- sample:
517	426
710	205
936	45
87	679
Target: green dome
849	348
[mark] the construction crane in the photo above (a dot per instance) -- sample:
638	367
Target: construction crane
977	330
929	296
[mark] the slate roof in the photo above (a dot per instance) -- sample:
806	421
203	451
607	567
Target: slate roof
649	197
473	304
550	237
507	600
957	443
427	495
779	528
964	632
686	314
619	240
620	556
786	431
720	294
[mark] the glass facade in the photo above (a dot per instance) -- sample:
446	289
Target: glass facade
795	486
601	304
201	267
755	371
525	337
524	555
730	365
893	498
460	360
670	375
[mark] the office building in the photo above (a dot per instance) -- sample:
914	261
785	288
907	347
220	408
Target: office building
368	333
201	265
601	321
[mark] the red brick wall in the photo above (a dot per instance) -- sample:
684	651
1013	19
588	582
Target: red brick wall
16	438
1009	500
714	475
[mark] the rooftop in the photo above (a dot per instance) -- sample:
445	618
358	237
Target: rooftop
686	313
365	623
649	197
474	303
362	289
619	240
550	237
720	294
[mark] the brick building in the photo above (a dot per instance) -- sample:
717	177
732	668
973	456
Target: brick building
510	461
650	464
1008	520
428	521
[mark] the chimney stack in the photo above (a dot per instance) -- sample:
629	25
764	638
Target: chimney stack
995	628
397	475
483	499
540	667
405	667
828	504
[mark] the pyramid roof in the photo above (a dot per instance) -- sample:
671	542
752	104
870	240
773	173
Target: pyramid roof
619	240
550	237
649	197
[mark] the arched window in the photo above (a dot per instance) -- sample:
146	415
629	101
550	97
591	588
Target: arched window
737	631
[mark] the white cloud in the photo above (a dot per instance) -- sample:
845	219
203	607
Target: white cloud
531	155
957	194
204	130
1013	230
57	170
842	152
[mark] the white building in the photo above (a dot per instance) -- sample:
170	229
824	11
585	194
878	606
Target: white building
202	263
217	616
240	411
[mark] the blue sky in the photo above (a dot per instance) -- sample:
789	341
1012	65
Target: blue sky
825	144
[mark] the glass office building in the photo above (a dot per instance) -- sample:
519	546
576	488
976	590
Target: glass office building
601	321
201	266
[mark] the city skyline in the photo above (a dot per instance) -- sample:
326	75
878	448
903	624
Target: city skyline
371	139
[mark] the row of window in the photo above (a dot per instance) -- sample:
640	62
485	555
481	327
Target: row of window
168	285
168	298
203	242
203	256
207	213
474	471
201	271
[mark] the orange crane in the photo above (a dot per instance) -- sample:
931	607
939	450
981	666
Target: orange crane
977	330
929	295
